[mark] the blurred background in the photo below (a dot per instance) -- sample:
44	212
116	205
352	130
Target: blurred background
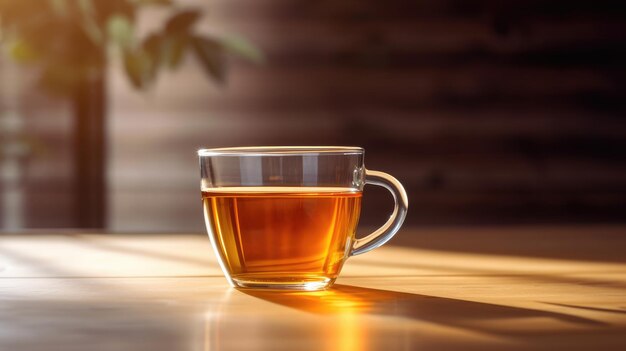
489	112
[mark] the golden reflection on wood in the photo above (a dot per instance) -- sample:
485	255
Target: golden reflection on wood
166	292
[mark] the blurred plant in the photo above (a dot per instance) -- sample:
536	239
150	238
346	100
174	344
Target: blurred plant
70	40
71	43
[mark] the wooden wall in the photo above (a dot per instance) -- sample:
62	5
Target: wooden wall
35	153
488	111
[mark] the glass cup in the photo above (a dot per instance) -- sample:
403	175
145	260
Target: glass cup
286	217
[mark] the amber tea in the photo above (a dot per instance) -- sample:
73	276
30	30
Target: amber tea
292	235
284	217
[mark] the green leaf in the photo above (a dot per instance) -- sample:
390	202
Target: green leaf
242	47
211	55
173	49
21	52
140	68
182	21
152	44
120	30
166	49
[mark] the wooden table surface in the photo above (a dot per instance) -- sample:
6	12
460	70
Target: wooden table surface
492	288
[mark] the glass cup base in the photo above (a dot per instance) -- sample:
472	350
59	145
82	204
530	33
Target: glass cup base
297	284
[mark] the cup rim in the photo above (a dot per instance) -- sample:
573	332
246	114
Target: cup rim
281	151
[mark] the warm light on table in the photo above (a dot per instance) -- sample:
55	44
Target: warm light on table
165	292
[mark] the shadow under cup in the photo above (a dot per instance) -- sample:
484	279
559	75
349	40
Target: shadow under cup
286	217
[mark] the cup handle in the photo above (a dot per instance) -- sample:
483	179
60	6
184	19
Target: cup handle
391	227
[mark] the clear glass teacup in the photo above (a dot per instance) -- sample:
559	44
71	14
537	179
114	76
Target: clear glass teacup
286	217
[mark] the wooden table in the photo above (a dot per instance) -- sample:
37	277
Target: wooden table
497	288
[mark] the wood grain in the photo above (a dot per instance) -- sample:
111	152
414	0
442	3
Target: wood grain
162	292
